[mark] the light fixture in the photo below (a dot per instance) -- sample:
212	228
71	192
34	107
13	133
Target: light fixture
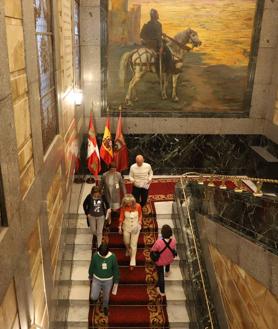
238	186
200	180
258	191
78	96
211	181
223	186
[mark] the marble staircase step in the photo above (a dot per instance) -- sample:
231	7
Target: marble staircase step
83	252
78	325
79	292
81	223
114	239
86	230
85	303
78	270
177	314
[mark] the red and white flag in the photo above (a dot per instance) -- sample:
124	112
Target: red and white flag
92	152
106	149
120	148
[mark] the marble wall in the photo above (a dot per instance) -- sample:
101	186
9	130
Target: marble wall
248	304
70	119
30	243
239	270
20	93
55	217
40	311
176	154
9	318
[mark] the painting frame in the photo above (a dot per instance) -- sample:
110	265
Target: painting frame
251	69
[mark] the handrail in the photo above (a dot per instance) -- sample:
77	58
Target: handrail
211	178
253	179
237	180
197	255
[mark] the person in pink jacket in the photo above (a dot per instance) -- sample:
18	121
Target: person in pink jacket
167	248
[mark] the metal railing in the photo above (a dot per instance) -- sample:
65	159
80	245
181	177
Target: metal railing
197	255
237	184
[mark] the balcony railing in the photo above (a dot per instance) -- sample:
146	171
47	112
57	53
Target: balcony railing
237	202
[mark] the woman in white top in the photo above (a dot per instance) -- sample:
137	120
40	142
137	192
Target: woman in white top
130	223
140	175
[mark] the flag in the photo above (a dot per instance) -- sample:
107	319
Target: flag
92	151
120	148
106	150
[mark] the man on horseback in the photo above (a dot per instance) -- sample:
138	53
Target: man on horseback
152	37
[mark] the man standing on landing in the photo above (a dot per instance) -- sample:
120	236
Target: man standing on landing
140	175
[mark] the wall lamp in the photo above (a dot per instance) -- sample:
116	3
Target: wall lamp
78	96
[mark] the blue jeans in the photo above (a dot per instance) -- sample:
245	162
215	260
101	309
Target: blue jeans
105	285
96	226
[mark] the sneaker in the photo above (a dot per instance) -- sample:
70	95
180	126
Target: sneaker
105	311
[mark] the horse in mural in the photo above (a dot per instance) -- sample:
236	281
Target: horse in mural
144	60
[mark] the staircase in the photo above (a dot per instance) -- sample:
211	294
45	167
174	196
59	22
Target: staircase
137	297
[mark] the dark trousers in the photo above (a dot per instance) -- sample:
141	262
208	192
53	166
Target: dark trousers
140	194
160	274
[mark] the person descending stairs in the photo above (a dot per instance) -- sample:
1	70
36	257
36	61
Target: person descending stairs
137	303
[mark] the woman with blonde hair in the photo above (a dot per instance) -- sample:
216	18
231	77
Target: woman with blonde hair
130	223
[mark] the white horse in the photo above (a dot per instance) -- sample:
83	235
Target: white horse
143	60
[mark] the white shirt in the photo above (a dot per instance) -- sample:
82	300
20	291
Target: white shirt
141	176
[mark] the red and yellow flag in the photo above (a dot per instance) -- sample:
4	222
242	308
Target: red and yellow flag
106	150
120	148
92	151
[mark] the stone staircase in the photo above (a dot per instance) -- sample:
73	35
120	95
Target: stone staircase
73	288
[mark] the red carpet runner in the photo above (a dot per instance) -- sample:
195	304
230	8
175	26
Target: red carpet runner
137	304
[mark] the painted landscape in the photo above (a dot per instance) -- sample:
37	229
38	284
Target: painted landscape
214	76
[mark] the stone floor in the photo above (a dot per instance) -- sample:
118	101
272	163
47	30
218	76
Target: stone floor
72	307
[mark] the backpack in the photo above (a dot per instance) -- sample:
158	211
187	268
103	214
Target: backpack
155	255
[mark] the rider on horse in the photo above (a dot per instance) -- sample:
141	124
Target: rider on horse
152	37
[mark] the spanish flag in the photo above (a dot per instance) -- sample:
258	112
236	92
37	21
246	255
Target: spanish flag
106	149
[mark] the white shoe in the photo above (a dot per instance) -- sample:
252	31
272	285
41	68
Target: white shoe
160	293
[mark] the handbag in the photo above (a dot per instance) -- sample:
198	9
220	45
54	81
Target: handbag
155	255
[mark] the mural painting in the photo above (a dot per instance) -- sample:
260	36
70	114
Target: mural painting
180	56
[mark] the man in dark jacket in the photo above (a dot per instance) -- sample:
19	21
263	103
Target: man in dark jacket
151	34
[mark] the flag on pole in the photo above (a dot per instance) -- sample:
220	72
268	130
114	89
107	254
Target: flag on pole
92	151
120	148
106	150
